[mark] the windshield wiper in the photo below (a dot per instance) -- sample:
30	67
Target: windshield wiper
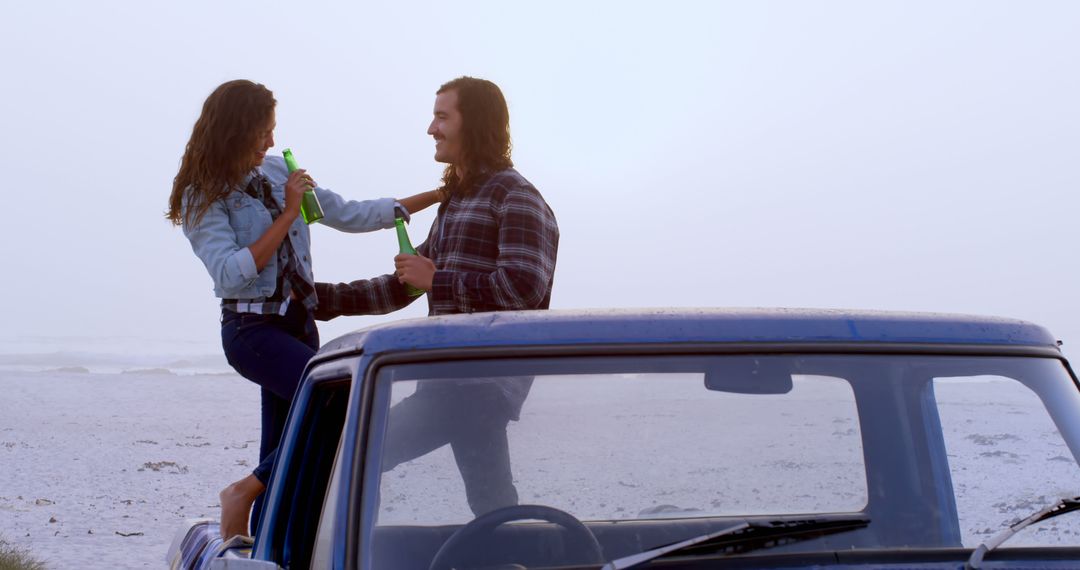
1059	508
747	536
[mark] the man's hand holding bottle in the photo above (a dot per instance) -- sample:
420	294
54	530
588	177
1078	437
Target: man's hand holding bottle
415	270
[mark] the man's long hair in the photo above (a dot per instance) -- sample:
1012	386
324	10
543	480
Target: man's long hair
219	152
485	129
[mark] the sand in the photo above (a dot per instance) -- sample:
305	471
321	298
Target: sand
100	470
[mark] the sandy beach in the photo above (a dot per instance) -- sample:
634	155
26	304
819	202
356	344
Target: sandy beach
100	469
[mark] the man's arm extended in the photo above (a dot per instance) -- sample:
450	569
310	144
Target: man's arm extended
376	296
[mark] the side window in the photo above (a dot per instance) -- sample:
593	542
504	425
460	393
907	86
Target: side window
1007	460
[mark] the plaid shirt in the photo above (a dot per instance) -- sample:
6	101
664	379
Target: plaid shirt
494	250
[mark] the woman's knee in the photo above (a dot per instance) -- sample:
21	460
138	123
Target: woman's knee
273	360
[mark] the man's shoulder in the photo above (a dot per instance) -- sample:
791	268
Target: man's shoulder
509	182
509	189
508	179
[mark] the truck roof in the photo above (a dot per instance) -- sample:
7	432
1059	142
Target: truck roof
687	325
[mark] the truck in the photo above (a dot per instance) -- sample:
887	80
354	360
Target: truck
673	438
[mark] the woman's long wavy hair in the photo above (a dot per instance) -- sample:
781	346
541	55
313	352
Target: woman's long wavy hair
219	152
485	126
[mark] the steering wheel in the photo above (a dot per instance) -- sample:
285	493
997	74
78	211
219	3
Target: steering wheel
465	541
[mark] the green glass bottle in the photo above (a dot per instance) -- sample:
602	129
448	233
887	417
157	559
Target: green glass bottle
405	246
310	208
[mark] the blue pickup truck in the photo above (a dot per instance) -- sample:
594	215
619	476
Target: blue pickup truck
674	439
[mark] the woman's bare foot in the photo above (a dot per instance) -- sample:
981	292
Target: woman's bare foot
236	501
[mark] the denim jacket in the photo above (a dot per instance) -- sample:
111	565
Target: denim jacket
221	237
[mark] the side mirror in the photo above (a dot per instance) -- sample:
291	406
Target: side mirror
749	375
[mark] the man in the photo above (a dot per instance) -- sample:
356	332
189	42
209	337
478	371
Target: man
492	247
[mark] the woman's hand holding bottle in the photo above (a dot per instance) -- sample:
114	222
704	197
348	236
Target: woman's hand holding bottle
298	183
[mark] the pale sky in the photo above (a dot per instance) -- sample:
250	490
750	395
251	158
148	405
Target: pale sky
868	155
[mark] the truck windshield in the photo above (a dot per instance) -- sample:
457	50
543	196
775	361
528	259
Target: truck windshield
685	445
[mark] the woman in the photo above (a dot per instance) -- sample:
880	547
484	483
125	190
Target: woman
239	209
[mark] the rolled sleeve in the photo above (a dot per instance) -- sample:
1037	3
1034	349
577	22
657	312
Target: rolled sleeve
244	263
231	266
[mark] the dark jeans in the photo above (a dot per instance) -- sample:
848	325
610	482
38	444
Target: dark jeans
271	351
472	418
